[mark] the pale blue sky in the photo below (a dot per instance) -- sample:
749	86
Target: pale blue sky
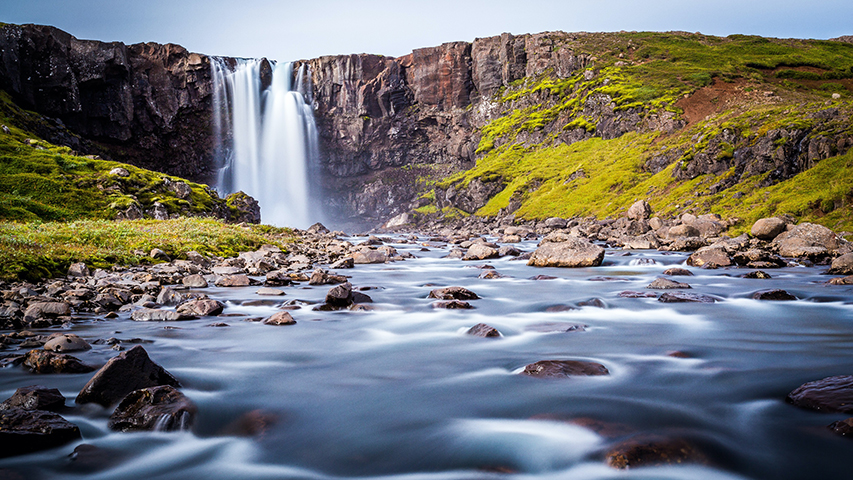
285	30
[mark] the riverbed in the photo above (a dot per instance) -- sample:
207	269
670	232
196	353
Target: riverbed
402	392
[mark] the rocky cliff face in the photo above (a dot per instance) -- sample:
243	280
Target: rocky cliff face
146	104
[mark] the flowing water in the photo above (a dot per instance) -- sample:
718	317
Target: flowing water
403	393
266	138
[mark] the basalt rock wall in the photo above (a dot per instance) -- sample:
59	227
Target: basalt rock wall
146	104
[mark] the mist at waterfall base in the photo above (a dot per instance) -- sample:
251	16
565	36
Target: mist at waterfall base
266	138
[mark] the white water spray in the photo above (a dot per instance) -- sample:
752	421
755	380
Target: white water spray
267	142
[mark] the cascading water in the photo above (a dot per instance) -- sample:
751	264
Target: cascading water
267	143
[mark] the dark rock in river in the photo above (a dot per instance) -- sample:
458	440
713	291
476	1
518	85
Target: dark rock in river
491	274
633	294
593	302
684	297
453	293
50	310
42	361
831	394
842	427
757	274
564	368
452	305
158	315
776	294
124	373
842	265
201	307
160	408
340	295
675	271
665	284
235	281
35	397
483	330
652	451
24	431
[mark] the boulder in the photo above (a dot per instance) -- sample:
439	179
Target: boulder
483	330
340	295
645	451
480	251
640	210
277	278
571	252
124	373
682	230
161	408
842	427
710	256
42	361
322	277
757	274
366	256
508	250
271	292
168	296
78	270
38	310
453	293
235	281
848	280
201	307
66	342
555	222
24	431
491	274
346	262
676	271
158	315
564	368
842	265
194	281
775	294
831	394
158	254
768	228
685	297
280	318
452	305
35	397
807	240
665	283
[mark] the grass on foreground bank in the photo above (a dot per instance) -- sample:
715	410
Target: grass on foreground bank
38	250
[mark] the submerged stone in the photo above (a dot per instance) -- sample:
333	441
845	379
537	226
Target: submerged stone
564	368
161	408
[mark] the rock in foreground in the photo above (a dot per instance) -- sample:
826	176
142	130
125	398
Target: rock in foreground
156	408
831	394
129	371
25	431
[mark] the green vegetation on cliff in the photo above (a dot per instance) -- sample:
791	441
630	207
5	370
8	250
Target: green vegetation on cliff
742	126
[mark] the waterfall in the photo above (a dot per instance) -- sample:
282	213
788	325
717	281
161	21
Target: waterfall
266	138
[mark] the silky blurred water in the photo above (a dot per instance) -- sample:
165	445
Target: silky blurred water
403	393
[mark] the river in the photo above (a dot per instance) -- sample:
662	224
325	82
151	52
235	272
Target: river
401	392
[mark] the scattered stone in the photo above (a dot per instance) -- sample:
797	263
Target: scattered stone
542	277
130	370
340	295
453	293
280	318
665	283
50	310
161	408
682	231
508	250
842	265
757	274
318	229
807	240
768	228
564	368
217	324
35	397
560	308
593	302
831	394
678	354
201	307
194	281
491	274
322	277
640	210
42	361
225	270
78	270
66	342
235	281
483	330
709	256
452	305
568	252
168	296
277	278
24	431
358	297
158	315
648	451
848	280
346	262
675	271
775	294
685	297
158	254
550	327
480	251
363	257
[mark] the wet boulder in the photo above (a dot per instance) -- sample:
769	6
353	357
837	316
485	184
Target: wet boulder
665	284
709	256
831	394
757	274
453	293
161	408
24	431
480	251
564	368
676	271
277	278
158	315
235	281
340	295
35	397
566	251
452	305
66	342
483	330
848	280
768	228
42	361
842	427
322	277
124	373
685	297
280	318
50	310
842	265
201	307
775	294
646	451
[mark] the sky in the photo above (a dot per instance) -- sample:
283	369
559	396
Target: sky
286	30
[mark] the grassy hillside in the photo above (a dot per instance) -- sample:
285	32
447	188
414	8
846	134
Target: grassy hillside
735	97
